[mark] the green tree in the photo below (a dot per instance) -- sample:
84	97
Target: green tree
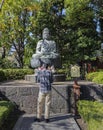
83	38
1	4
17	25
51	15
74	31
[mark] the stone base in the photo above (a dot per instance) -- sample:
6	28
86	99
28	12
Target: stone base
25	96
57	78
31	78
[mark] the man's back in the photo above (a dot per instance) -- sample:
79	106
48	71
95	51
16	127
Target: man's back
45	78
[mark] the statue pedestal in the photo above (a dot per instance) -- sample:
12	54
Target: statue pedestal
57	78
31	78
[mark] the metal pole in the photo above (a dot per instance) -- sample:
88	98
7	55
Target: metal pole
76	90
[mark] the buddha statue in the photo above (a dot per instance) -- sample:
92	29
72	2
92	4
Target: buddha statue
46	51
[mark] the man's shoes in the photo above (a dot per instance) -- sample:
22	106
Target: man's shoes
47	120
37	120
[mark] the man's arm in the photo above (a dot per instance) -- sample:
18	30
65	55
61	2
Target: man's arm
38	76
51	78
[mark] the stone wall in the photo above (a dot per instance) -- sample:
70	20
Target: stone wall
25	97
92	92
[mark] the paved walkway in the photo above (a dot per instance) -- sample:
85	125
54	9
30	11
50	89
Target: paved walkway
57	122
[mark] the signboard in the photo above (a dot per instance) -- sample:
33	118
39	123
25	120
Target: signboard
75	71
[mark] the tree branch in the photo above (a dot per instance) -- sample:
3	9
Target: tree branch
1	5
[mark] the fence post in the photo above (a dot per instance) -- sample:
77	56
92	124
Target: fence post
76	90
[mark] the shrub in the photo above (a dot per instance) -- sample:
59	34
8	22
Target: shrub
90	76
6	63
96	77
92	113
2	75
99	78
60	71
6	108
8	74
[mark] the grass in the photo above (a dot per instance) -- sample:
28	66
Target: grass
8	115
92	113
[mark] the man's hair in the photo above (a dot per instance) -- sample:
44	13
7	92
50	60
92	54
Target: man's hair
46	65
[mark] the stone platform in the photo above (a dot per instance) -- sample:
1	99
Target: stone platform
57	122
24	94
56	78
30	78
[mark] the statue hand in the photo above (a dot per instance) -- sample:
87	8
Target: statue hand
45	53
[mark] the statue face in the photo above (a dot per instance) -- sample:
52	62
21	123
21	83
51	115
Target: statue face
46	33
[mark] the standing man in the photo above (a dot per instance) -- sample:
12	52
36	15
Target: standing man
45	79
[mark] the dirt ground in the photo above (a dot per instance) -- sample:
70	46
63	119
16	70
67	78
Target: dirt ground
82	124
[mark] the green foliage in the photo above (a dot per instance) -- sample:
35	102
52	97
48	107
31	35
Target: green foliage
8	74
2	75
96	77
29	50
65	71
50	15
82	34
6	108
60	71
17	25
22	22
92	113
90	76
5	63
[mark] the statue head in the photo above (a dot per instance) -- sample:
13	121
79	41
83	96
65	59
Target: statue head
46	34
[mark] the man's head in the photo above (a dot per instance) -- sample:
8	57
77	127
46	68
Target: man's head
46	33
46	66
